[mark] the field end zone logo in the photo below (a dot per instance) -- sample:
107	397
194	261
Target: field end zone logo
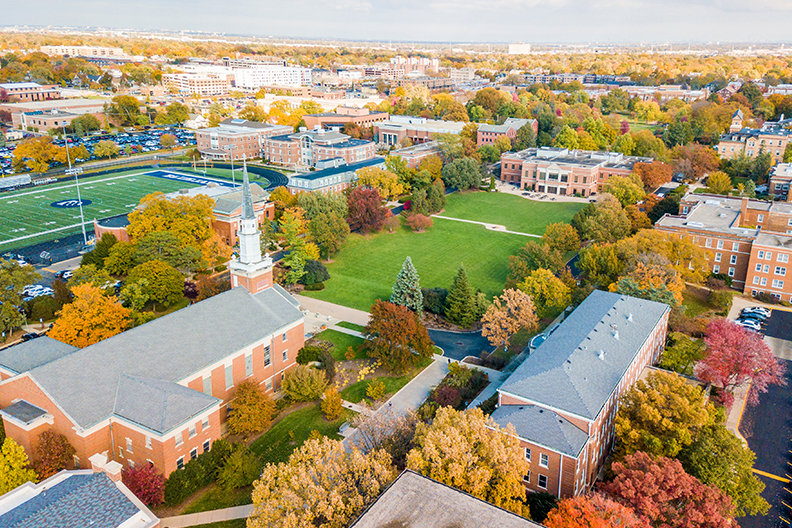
68	204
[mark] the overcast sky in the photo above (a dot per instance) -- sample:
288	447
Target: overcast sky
655	21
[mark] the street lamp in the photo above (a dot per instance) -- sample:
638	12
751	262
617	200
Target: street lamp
231	149
75	172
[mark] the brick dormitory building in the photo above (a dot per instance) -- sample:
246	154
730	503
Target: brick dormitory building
158	393
748	240
565	172
563	398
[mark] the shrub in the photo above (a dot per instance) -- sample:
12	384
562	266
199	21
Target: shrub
317	286
426	412
53	453
766	298
197	473
722	277
447	396
694	327
721	299
331	404
303	383
146	483
392	223
489	405
240	469
328	364
434	300
350	353
376	390
251	410
540	504
308	353
458	375
315	272
419	223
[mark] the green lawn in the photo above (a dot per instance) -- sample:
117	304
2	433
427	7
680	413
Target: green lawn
367	266
342	342
216	498
357	391
693	305
277	444
514	212
350	326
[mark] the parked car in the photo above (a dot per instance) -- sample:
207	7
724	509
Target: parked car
748	324
29	336
761	310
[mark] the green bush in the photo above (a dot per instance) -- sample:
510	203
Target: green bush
197	473
303	383
723	277
315	272
328	364
721	299
317	286
376	390
308	354
488	406
434	300
241	468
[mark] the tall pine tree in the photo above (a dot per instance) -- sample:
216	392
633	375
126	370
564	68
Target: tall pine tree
461	301
435	195
407	289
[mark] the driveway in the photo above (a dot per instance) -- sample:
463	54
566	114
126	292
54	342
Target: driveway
459	345
778	334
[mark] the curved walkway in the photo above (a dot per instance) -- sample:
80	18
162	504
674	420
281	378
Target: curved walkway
492	227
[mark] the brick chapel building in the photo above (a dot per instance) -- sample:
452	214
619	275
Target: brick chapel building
158	393
562	400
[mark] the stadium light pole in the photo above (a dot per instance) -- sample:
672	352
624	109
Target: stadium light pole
75	172
231	149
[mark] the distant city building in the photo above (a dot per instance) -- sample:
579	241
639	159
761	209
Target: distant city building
461	75
344	114
82	498
772	138
84	51
518	48
207	83
778	183
415	64
317	148
333	179
780	89
417	129
257	76
236	139
667	93
563	398
245	62
26	92
562	171
487	134
53	110
432	83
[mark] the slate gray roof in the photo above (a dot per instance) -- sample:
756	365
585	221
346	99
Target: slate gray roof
81	500
24	412
503	128
415	501
579	366
542	426
230	202
170	348
158	405
31	354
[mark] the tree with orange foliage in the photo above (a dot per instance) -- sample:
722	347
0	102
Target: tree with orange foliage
90	318
594	511
653	174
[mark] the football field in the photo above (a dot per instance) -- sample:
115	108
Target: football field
33	215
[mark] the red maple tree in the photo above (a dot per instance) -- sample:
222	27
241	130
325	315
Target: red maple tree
594	511
366	212
737	356
660	491
146	483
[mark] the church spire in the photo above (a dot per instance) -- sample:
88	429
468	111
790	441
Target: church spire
247	198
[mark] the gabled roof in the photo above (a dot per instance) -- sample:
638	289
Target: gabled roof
580	364
231	201
84	499
544	427
158	405
341	169
85	383
31	354
503	128
415	501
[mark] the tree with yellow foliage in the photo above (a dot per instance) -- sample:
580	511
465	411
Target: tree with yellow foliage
549	293
470	452
385	182
321	485
91	318
187	217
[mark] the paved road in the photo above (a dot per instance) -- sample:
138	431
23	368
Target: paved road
459	345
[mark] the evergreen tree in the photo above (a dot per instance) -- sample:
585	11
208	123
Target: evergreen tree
461	306
435	195
407	289
418	203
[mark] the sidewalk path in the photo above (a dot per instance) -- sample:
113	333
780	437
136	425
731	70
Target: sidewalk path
412	395
492	227
333	310
213	516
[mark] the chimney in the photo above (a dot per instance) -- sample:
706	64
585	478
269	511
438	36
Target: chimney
743	210
100	464
789	194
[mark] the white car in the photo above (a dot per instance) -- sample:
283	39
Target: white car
748	324
759	310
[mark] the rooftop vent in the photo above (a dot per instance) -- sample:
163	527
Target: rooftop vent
601	355
629	317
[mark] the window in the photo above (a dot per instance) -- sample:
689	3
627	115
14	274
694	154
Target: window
148	442
768	255
192	431
765	269
763	282
756	280
267	359
129	444
180	463
731	272
285	355
206	446
735	246
131	464
194	454
284	336
528	454
205	424
708	243
543	481
544	460
716	269
780	271
778	284
758	267
760	255
229	376
717	257
685	210
782	257
527	477
207	385
268	384
760	218
76	462
789	222
248	365
120	452
179	439
720	244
